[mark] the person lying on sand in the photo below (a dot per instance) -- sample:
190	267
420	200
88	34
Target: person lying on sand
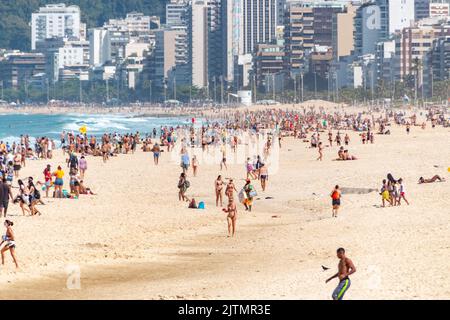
433	179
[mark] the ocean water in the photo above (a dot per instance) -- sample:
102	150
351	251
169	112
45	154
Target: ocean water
39	125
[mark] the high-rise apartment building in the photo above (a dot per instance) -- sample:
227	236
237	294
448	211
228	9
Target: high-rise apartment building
55	20
259	23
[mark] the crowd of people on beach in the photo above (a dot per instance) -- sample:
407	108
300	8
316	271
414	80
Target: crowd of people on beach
225	133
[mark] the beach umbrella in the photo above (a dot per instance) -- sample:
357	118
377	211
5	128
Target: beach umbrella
83	129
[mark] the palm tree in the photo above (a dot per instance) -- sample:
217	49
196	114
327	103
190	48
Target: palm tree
416	68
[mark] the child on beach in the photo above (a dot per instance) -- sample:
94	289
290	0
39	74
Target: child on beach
402	191
384	192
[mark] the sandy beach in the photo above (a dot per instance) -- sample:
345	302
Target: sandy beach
135	240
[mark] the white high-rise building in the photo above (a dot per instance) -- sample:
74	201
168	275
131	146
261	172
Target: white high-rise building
259	23
199	43
99	46
395	15
55	20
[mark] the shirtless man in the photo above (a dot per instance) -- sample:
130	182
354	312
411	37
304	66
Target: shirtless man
345	269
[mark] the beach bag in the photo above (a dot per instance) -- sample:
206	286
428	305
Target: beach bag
201	205
187	184
242	196
252	193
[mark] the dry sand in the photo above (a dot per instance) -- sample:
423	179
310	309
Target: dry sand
134	240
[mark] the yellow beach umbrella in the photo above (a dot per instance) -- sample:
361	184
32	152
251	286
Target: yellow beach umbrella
83	129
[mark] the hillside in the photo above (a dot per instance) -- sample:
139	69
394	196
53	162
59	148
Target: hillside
15	15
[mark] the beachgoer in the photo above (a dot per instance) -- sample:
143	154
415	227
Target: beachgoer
336	200
250	192
431	180
218	184
402	192
59	182
194	165
231	217
345	269
183	185
263	176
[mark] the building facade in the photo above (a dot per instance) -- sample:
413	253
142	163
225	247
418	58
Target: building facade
55	20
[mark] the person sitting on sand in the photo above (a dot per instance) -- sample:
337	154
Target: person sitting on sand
84	189
433	179
193	204
231	217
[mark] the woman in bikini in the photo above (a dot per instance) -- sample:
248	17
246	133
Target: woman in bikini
194	165
10	245
320	152
219	187
82	164
23	198
231	217
230	189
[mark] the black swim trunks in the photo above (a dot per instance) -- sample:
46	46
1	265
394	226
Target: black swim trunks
336	202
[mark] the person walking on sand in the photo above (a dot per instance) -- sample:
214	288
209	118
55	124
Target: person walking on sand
336	200
82	165
263	176
223	163
219	190
402	191
229	191
194	165
156	152
183	185
345	269
10	245
6	194
250	192
320	146
231	217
